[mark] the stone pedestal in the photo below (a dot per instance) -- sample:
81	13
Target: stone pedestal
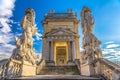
87	70
28	69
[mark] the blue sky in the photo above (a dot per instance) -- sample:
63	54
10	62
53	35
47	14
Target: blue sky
105	12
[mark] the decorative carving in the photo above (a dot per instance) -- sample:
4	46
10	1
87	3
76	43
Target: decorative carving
60	31
91	44
24	45
87	20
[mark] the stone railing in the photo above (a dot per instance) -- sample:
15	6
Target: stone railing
108	69
2	67
117	62
14	68
41	64
61	15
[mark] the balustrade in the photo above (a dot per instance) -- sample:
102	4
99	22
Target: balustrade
14	69
109	70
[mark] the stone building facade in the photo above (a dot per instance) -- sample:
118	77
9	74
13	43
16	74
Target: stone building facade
61	38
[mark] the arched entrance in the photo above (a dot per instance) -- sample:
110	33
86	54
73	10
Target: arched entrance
61	53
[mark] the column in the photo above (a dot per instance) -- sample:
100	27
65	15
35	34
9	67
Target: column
52	51
73	50
69	52
47	51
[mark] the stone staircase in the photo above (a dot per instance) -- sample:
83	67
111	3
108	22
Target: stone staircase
58	73
59	70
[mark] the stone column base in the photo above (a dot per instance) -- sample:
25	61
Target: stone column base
50	63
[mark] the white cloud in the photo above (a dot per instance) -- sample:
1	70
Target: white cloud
107	51
6	12
109	42
38	35
111	51
109	57
6	8
5	47
6	38
111	54
81	49
112	45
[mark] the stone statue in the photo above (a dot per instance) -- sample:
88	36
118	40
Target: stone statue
24	45
87	20
91	44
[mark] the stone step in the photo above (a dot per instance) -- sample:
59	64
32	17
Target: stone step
59	77
59	70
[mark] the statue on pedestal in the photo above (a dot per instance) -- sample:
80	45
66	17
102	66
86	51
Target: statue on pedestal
24	45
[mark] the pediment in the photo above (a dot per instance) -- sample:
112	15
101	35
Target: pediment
60	31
